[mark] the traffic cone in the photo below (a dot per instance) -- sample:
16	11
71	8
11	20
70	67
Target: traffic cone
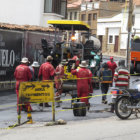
29	116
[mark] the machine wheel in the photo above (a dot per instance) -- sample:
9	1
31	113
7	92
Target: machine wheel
132	68
138	68
121	109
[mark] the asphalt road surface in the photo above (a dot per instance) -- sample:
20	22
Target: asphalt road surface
98	110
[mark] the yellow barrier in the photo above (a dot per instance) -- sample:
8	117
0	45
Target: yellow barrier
34	92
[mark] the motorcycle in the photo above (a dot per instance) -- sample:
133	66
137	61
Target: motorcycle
127	101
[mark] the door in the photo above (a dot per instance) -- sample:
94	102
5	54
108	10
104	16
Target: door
116	43
101	40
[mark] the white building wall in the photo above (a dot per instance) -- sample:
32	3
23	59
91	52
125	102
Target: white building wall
113	32
49	16
124	32
23	12
20	11
103	23
137	18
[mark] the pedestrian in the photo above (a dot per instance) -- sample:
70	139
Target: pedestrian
59	80
34	68
83	81
112	65
105	75
121	78
46	72
22	74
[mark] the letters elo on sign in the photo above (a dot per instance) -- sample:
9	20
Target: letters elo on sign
36	92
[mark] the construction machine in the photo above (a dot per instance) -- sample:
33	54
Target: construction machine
135	53
71	47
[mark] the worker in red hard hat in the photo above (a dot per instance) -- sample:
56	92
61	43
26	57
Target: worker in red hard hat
76	57
112	65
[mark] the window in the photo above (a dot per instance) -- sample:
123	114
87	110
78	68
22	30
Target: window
110	39
70	15
75	15
83	17
48	6
55	6
95	16
89	19
63	8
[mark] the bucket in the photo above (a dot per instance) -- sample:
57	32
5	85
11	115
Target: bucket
79	109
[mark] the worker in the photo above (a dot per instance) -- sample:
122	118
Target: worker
84	82
59	80
112	65
22	74
76	58
91	81
34	68
46	72
105	76
90	85
121	78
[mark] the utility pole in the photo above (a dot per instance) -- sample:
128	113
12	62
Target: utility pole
130	20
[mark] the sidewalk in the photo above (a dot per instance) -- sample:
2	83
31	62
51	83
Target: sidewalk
114	55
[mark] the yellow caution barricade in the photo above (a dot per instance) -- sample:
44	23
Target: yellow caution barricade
36	92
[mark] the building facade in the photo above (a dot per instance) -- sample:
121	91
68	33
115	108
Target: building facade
73	9
112	31
92	10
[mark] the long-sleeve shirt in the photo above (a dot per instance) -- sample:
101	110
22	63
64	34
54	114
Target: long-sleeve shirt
46	71
121	77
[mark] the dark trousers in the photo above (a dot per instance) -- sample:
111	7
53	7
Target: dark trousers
104	89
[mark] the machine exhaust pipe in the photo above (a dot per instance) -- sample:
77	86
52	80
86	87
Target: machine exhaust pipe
69	87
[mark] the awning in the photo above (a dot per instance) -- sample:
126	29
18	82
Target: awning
69	25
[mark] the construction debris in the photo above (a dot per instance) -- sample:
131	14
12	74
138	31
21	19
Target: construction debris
58	122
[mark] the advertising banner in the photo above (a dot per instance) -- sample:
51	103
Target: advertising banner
10	53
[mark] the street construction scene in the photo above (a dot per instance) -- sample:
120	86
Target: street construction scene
70	69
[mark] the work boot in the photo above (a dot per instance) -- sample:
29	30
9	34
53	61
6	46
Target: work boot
88	106
57	104
47	105
104	101
41	104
